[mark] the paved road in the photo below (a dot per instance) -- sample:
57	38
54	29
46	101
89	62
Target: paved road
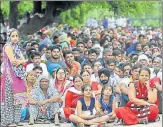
155	124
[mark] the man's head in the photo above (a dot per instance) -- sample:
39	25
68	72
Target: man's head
110	64
29	52
48	53
76	52
69	57
157	62
88	42
116	44
81	45
55	52
141	38
97	66
143	60
104	75
118	71
38	70
35	45
88	67
117	55
145	47
107	53
135	71
92	55
146	39
36	58
139	47
126	69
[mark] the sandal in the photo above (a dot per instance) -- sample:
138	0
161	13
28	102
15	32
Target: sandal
143	121
12	125
47	122
118	122
20	124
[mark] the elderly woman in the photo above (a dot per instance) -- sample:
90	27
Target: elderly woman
30	82
142	106
44	101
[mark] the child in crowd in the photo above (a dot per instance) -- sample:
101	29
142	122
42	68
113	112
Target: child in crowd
88	111
108	102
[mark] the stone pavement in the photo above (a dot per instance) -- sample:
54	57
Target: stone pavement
155	124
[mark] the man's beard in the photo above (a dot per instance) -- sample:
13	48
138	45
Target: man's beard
55	57
104	81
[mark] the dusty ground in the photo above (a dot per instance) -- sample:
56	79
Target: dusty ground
155	124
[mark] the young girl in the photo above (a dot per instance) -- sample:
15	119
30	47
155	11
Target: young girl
108	102
88	110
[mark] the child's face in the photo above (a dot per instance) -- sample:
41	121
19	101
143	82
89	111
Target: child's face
88	92
108	91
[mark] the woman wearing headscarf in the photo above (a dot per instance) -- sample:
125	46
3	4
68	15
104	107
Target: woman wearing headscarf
44	101
30	82
13	88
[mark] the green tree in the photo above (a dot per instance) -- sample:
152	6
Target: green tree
117	9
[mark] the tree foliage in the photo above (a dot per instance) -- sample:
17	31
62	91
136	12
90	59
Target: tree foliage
78	15
23	7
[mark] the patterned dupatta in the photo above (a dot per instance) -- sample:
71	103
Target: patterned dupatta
20	70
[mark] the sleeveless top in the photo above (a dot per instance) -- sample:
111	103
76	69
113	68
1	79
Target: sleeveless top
108	106
90	107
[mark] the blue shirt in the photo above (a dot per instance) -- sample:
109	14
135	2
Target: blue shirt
106	107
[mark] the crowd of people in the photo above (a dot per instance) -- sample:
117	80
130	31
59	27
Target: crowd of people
84	76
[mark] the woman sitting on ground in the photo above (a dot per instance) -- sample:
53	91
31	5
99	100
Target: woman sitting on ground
44	101
30	81
88	110
143	104
71	97
58	79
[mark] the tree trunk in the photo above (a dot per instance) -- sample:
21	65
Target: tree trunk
37	7
13	17
1	17
53	9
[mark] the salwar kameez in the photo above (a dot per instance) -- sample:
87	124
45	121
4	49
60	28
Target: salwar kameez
37	94
130	117
131	114
13	88
51	110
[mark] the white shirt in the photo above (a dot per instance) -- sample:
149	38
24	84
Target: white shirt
44	68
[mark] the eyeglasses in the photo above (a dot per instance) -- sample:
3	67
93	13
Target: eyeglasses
61	73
